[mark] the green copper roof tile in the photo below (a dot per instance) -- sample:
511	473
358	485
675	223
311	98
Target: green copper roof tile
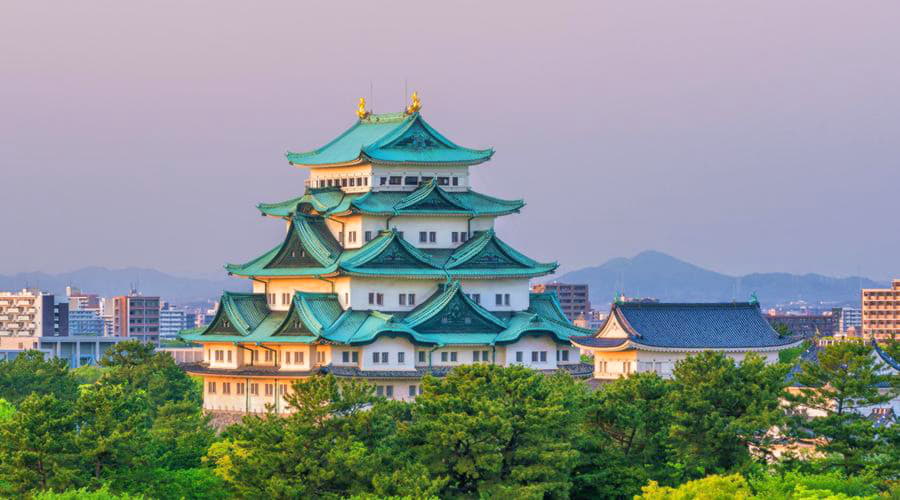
391	138
448	317
332	201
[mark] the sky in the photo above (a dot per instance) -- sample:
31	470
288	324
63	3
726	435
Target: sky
741	136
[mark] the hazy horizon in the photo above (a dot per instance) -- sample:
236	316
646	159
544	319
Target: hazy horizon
740	137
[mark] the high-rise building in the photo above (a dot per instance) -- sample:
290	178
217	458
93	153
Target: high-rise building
137	316
574	298
881	312
28	313
80	301
172	321
846	318
85	322
390	270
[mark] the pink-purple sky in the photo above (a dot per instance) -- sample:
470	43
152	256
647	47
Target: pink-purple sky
742	136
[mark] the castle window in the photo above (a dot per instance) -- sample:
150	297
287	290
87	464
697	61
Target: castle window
298	358
443	181
498	299
506	299
453	357
226	387
423	237
211	388
321	183
254	389
395	180
401	357
456	181
389	391
240	388
345	357
365	181
443	357
382	181
432	237
270	389
229	356
343	182
412	390
411	299
353	182
368	236
411	180
421	356
454	237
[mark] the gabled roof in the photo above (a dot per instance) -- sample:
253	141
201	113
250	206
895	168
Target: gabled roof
451	310
693	326
427	199
309	248
486	251
388	251
390	138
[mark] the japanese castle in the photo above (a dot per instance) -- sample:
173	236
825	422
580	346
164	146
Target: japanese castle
390	269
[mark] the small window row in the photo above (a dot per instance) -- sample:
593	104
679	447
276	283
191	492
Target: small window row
344	182
415	180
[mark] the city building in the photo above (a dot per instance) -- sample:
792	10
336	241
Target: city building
847	318
172	321
390	269
136	317
85	322
806	325
574	299
881	312
80	301
652	337
28	313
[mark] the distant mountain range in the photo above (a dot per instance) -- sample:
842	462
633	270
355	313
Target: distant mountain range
110	282
655	274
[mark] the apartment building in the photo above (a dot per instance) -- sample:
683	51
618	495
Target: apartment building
881	311
136	316
29	313
574	298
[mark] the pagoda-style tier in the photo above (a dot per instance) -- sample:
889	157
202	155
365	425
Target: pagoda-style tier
447	318
310	249
428	199
392	138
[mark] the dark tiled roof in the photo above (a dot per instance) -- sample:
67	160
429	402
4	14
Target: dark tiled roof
590	341
711	325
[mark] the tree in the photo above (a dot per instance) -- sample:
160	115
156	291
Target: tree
720	409
112	436
845	379
323	449
37	449
6	410
31	373
495	431
137	365
629	420
798	485
103	493
733	487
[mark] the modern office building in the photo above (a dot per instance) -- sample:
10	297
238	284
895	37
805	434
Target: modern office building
137	317
847	318
80	301
390	270
881	312
806	325
85	322
172	321
575	299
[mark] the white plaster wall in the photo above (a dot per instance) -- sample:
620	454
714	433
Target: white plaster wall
387	171
662	363
209	355
528	344
392	346
338	356
411	226
337	173
463	355
360	288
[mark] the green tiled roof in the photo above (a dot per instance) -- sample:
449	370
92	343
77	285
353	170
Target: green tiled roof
309	249
427	199
391	138
448	317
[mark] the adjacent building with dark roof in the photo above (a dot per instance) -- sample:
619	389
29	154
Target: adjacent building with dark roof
641	337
